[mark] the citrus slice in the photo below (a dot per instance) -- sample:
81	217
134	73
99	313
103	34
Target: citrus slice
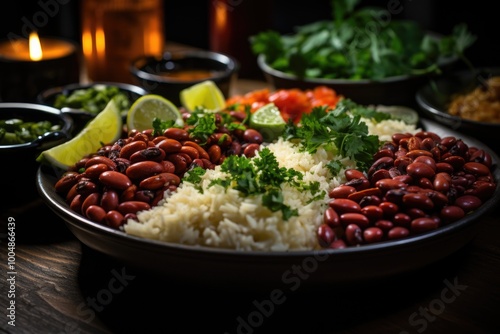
104	128
405	114
268	121
205	94
148	107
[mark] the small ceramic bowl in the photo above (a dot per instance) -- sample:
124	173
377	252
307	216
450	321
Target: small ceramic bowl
397	90
18	161
434	98
170	74
81	117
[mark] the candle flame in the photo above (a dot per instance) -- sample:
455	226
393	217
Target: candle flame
35	47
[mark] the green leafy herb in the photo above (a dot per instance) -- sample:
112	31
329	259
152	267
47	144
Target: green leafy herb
263	176
337	129
358	44
159	126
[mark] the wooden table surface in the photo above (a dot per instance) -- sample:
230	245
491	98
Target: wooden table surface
62	286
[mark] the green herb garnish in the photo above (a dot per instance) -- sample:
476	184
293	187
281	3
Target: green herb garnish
337	129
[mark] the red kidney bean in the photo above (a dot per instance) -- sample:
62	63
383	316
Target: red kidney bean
352	174
414	143
214	153
68	180
202	153
482	189
418	153
331	218
251	149
95	213
451	213
326	235
397	232
379	175
401	219
115	180
109	200
372	212
343	205
382	163
415	213
99	159
354	218
128	194
418	200
384	224
476	168
144	195
390	209
190	151
359	184
131	148
180	163
92	199
419	169
388	184
252	136
151	153
442	182
385	152
353	234
114	219
373	234
169	145
481	156
468	202
455	161
341	191
358	195
76	203
86	187
177	134
93	171
369	200
132	207
423	224
443	167
144	169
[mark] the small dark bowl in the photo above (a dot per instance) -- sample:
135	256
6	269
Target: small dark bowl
80	118
19	165
397	90
433	99
148	71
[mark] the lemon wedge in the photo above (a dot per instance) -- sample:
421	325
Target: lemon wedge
268	120
205	94
104	128
148	107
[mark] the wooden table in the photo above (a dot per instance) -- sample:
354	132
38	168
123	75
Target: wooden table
62	286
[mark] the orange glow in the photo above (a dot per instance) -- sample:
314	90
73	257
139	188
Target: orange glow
35	47
87	43
220	16
100	42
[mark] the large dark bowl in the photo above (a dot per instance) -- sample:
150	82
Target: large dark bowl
433	100
18	162
148	70
240	269
397	90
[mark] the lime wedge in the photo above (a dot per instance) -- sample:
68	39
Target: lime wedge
205	94
104	128
148	107
268	121
405	114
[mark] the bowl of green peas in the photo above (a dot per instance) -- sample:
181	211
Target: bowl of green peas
26	129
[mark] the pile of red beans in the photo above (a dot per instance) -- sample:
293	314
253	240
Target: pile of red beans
113	184
417	183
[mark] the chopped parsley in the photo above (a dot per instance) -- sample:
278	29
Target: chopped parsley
339	129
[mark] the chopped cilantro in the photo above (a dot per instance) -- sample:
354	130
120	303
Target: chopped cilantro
339	129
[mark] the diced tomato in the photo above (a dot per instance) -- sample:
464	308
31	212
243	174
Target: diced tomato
292	103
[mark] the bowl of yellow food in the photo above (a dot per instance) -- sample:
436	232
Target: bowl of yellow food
467	101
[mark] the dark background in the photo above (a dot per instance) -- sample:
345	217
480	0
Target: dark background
188	21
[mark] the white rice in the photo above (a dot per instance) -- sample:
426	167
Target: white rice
224	218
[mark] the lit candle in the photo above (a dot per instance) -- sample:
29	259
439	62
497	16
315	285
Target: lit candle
27	67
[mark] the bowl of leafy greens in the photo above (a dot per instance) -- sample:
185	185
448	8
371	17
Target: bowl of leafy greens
361	56
84	101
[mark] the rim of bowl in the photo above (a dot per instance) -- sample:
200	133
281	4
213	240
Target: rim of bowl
46	94
261	60
231	64
65	119
434	110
